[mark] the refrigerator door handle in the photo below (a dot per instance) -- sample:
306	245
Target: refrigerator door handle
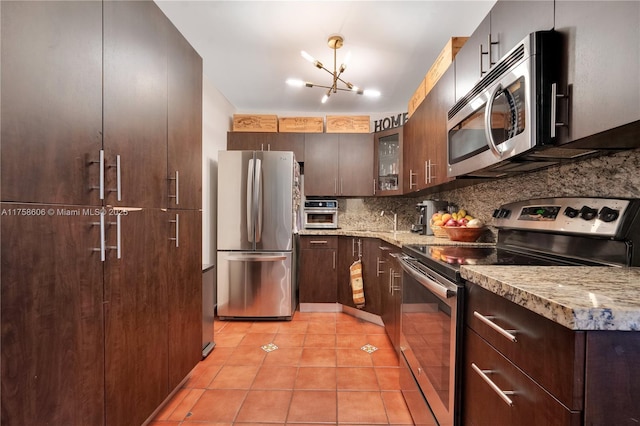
254	258
258	199
250	182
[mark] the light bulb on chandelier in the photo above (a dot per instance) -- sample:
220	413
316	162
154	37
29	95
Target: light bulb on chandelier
335	42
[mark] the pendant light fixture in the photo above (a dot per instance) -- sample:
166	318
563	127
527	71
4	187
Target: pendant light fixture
335	42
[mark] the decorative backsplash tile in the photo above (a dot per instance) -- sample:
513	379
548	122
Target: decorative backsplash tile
616	175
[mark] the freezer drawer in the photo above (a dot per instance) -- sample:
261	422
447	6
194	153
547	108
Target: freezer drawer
255	285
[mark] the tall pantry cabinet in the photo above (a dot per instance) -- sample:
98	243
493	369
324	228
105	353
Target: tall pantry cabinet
101	222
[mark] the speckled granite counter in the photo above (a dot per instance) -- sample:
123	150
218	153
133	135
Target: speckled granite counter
399	238
579	298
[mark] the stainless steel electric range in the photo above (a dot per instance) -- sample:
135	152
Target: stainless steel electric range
538	232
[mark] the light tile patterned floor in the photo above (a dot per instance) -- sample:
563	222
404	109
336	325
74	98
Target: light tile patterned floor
319	368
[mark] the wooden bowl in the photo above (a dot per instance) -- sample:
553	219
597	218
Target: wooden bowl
464	234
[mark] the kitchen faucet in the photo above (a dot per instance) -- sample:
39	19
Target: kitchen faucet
395	220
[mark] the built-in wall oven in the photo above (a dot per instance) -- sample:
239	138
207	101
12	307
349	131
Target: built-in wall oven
540	232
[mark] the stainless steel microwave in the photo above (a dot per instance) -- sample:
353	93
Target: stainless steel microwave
507	122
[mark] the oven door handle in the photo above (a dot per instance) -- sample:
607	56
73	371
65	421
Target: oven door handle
432	285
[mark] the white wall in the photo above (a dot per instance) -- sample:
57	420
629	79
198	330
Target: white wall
217	116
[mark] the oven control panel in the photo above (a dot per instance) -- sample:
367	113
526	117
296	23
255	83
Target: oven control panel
574	215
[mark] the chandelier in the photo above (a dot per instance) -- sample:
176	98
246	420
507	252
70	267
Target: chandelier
335	42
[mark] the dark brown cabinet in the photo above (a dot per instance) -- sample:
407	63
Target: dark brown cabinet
262	141
553	375
318	262
136	315
51	114
339	164
184	292
101	312
425	138
506	25
352	249
52	352
184	126
601	65
135	104
391	292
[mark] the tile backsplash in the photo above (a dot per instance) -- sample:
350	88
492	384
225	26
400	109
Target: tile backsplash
616	175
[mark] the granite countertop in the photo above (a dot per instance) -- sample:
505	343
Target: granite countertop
577	297
399	238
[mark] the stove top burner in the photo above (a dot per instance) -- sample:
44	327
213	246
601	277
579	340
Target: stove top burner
447	259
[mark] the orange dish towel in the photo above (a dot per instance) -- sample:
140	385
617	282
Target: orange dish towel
357	285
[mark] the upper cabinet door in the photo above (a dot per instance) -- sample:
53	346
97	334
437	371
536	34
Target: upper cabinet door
321	164
135	103
184	124
470	64
502	29
602	65
512	21
355	165
51	101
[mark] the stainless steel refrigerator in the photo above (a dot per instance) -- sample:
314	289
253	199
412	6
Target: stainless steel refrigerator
258	204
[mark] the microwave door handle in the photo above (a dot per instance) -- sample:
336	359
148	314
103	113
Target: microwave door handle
487	122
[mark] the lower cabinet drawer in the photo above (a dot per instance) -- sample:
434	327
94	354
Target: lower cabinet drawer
496	392
549	353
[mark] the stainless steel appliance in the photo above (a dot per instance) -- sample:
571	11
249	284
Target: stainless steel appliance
258	194
540	232
320	214
208	308
507	123
426	209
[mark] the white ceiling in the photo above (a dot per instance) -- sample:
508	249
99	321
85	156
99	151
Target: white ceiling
249	48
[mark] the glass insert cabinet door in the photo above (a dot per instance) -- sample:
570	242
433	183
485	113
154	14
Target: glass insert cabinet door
388	152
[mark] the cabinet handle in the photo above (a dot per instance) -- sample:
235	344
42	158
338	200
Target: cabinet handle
554	100
177	237
118	189
318	242
378	263
491	43
335	186
359	249
100	161
394	275
374	187
334	260
501	393
487	320
488	52
427	171
118	246
391	281
411	175
102	249
353	247
177	196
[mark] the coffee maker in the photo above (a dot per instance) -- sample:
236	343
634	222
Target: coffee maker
426	209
